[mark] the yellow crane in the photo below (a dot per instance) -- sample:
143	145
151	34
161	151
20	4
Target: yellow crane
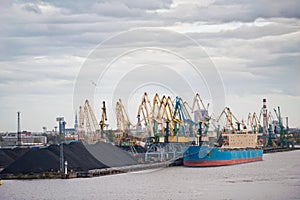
88	128
156	116
91	121
167	114
145	110
202	119
253	122
123	123
229	120
124	135
200	106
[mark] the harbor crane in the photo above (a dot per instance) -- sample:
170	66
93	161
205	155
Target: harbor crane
124	136
254	122
91	121
283	141
181	116
145	110
166	116
88	128
201	114
123	123
229	120
200	106
157	121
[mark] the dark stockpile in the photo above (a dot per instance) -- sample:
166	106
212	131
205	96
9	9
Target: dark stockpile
78	157
8	156
111	155
33	161
47	160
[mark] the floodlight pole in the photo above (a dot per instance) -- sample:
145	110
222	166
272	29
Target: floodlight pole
61	125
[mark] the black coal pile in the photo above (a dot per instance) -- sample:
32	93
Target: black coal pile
47	160
8	156
110	155
80	158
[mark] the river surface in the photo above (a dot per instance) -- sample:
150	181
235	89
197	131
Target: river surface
276	177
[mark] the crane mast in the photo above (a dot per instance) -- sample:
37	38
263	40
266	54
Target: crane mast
282	131
103	119
81	129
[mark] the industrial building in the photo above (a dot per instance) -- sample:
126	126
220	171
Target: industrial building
27	139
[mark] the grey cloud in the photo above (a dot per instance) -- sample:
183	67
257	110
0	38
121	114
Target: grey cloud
32	8
253	58
106	6
249	32
235	10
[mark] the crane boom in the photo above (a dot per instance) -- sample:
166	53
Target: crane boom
146	110
229	119
91	120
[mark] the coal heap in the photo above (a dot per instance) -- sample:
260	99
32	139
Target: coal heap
80	158
47	160
110	155
8	156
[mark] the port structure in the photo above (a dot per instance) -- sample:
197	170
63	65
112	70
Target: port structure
254	123
274	134
156	119
163	125
270	131
283	132
89	129
232	124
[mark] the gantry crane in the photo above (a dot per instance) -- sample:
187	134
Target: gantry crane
166	116
283	140
200	106
91	121
202	120
229	120
125	137
88	126
181	116
145	110
254	123
123	123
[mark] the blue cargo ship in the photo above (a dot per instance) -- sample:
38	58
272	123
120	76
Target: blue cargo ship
235	149
204	156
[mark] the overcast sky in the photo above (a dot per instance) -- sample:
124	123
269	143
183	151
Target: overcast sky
44	44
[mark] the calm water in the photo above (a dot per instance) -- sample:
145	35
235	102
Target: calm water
277	177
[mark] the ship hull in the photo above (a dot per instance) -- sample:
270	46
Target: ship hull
202	156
